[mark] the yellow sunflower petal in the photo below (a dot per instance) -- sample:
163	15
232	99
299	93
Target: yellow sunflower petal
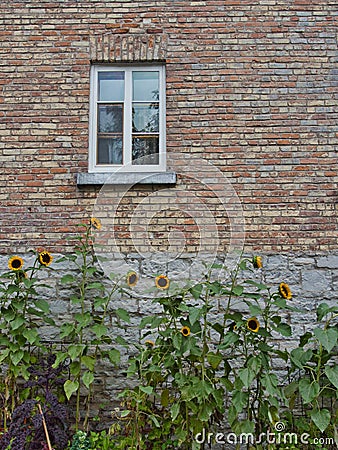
96	223
257	262
185	331
45	258
162	282
15	263
253	324
285	291
132	279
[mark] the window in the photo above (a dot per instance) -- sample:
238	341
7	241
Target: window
127	119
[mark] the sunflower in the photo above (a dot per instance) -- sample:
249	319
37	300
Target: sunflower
132	279
257	262
96	223
15	263
285	291
45	258
252	324
185	331
149	343
162	282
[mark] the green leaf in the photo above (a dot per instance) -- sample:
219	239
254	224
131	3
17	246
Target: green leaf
328	338
304	339
322	310
123	314
147	389
255	310
31	335
100	330
196	291
270	381
88	378
254	363
70	387
230	338
237	290
74	351
284	329
66	330
42	305
174	410
17	322
17	357
12	288
239	400
205	412
95	285
120	340
321	418
89	362
165	397
60	357
299	357
247	376
214	359
194	315
67	279
332	374
308	390
114	356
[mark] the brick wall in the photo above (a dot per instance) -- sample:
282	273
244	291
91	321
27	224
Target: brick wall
251	87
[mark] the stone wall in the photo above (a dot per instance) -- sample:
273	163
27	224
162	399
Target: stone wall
313	279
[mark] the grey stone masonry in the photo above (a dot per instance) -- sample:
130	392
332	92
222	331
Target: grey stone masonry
313	279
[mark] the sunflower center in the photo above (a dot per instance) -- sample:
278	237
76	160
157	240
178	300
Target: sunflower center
16	263
162	282
45	258
252	324
132	278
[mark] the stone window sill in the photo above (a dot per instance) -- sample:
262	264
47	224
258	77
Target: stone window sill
130	178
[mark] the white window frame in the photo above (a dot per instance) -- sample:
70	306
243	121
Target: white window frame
127	119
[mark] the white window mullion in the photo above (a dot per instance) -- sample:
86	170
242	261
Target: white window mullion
162	119
127	125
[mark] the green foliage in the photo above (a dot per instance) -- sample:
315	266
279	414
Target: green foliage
315	374
208	358
87	336
21	312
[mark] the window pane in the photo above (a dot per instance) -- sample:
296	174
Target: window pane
145	117
145	150
111	86
146	86
110	118
110	150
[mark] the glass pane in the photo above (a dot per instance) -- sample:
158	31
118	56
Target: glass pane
110	118
146	86
111	86
145	117
110	150
145	150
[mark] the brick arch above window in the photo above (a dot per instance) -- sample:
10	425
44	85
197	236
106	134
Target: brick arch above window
112	47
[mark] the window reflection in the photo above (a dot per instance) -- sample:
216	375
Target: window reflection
145	150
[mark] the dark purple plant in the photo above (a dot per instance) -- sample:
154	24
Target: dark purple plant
26	431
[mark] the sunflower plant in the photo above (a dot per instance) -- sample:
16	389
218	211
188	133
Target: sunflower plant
87	336
314	375
22	312
199	354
